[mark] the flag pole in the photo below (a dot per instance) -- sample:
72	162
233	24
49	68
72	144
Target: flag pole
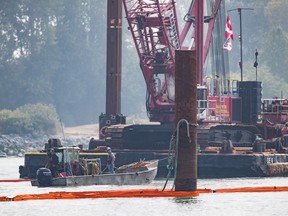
240	37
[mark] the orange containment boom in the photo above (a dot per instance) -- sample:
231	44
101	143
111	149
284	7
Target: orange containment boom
136	193
252	189
102	194
14	180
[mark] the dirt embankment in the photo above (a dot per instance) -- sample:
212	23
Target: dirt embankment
82	130
93	129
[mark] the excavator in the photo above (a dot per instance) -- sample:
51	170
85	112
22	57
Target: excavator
224	105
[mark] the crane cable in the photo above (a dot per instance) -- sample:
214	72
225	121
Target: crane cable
171	159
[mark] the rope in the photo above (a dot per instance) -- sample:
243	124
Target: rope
173	150
171	159
103	170
95	168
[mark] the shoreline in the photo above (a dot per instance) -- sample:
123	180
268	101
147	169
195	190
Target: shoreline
82	130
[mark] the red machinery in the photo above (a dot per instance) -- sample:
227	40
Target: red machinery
156	35
234	107
154	28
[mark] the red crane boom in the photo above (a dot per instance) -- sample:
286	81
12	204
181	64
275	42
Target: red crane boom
154	28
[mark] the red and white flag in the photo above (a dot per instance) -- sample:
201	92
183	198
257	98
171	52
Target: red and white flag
229	35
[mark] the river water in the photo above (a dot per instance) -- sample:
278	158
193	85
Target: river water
222	204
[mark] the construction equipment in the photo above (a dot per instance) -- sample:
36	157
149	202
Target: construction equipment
223	105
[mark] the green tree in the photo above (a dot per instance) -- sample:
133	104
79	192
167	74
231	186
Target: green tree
272	85
24	79
275	48
80	79
54	52
276	11
35	120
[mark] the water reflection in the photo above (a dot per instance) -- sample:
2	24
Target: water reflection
186	200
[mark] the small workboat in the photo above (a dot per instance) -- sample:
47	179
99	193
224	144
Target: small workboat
138	173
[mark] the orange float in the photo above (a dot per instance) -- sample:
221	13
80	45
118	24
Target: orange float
102	194
14	180
137	193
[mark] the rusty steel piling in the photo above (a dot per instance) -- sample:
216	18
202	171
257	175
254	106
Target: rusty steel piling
114	57
186	103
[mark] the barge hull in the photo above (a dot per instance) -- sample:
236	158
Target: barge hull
208	165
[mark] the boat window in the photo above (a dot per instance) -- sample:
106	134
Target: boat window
71	155
60	156
68	157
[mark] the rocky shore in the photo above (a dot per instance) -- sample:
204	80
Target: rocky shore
15	145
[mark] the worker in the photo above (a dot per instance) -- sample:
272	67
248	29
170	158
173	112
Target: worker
53	162
227	146
284	132
110	160
284	129
257	144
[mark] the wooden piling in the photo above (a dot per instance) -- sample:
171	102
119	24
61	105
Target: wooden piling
186	104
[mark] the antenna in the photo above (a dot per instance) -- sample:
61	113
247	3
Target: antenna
256	62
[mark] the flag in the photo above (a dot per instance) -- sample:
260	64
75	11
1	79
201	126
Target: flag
229	35
227	44
228	29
